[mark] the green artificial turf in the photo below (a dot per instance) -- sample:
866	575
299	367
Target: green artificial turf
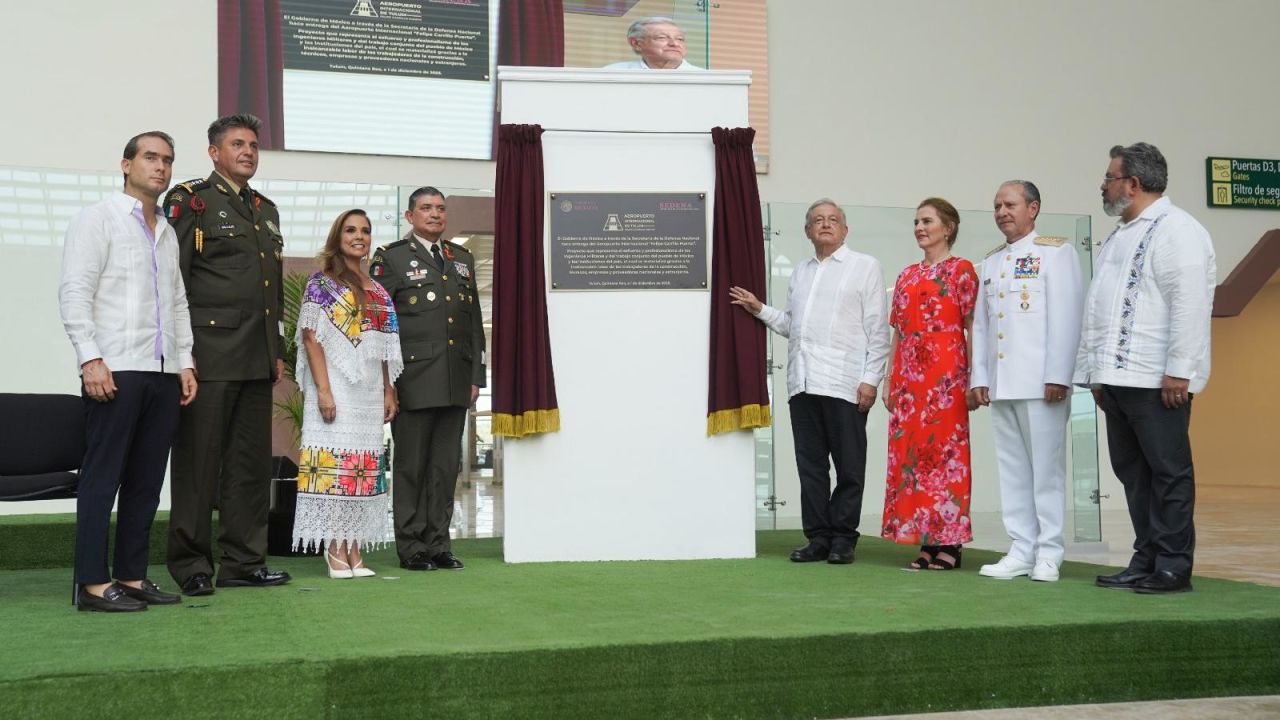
761	638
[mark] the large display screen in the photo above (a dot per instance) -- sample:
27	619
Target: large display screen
417	77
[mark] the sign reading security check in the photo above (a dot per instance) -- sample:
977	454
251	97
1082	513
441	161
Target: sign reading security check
1243	183
628	241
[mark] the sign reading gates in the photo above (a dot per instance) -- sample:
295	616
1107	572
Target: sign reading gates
1243	183
415	38
628	241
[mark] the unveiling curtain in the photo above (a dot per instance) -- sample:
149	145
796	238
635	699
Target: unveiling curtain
531	33
251	65
738	396
524	384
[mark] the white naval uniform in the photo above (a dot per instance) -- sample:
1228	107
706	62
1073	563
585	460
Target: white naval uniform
1026	328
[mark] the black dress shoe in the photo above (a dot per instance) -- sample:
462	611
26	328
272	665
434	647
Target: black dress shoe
262	577
197	585
419	561
1163	581
151	594
811	553
1123	580
841	555
114	599
446	561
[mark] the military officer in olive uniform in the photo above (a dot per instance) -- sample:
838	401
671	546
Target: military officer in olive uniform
433	284
231	255
1025	325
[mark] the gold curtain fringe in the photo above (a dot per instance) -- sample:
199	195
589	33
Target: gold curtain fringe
530	422
743	418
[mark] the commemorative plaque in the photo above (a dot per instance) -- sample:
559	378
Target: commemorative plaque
628	241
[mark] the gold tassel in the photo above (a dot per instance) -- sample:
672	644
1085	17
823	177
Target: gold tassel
743	418
531	422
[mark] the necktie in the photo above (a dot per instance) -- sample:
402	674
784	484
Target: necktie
247	197
435	256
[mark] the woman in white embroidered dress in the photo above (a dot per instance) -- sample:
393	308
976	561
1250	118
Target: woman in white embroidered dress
348	330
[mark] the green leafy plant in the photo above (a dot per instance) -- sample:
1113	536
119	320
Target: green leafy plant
290	408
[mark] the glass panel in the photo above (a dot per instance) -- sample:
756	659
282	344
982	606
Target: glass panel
766	498
886	234
1085	506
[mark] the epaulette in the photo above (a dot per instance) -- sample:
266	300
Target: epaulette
190	186
1051	240
995	250
456	246
396	244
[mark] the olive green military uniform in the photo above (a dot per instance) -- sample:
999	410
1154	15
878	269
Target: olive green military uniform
442	339
231	255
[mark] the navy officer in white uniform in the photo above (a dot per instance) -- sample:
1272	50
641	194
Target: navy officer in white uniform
1026	327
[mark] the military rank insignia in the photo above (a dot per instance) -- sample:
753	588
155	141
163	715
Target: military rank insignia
1026	267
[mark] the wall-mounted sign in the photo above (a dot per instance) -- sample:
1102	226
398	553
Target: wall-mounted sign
1243	183
628	241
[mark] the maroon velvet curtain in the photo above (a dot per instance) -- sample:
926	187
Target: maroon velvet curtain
251	65
524	384
531	32
738	396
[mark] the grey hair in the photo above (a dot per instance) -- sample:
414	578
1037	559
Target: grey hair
218	128
1145	162
640	28
808	214
1030	192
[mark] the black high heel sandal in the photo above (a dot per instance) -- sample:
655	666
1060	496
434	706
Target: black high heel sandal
941	563
927	555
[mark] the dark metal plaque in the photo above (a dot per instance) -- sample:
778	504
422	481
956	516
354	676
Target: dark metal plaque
628	241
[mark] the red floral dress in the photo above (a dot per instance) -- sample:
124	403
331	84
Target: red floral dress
926	500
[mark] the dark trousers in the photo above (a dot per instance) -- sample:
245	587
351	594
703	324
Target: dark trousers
424	466
826	427
223	454
1151	455
127	441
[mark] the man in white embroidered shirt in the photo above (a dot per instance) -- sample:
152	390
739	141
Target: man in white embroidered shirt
124	308
838	342
1144	351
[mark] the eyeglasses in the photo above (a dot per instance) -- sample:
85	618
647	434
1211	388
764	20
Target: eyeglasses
1107	179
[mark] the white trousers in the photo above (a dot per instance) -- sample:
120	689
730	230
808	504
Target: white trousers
1031	457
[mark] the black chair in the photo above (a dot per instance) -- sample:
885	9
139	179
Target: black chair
41	446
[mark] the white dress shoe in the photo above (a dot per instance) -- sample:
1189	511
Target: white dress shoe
1045	571
1007	569
338	569
361	571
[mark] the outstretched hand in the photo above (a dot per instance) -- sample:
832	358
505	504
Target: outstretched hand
745	298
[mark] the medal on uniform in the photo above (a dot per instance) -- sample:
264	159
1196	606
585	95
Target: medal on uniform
1025	297
222	213
431	296
198	206
1026	267
462	269
413	263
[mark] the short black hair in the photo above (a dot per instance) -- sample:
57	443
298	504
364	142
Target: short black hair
219	127
131	147
422	192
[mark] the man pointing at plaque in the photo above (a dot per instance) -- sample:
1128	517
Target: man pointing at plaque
432	282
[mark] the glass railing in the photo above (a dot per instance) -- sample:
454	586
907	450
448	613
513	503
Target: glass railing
886	233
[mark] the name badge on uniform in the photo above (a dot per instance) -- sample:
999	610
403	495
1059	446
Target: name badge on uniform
463	271
1026	267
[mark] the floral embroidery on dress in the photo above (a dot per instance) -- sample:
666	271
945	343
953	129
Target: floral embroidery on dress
928	489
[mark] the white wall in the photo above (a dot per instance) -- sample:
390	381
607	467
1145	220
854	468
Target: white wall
873	103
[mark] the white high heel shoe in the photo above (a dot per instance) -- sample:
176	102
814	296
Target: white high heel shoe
339	573
361	571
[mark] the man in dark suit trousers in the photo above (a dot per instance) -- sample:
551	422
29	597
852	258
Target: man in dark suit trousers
231	255
434	287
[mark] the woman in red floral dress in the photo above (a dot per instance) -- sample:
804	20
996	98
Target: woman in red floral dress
927	496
